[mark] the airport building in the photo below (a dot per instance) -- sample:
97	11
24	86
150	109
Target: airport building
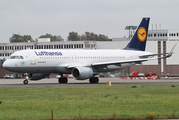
159	41
6	49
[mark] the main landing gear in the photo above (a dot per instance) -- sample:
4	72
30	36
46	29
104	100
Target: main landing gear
63	80
94	80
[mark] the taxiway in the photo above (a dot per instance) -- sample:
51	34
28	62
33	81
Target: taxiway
52	82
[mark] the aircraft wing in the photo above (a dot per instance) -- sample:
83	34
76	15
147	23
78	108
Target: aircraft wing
135	61
77	65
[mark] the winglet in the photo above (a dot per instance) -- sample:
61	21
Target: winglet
171	52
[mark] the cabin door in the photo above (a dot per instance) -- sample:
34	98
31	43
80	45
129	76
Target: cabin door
32	57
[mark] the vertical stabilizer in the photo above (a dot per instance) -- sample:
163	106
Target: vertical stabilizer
138	41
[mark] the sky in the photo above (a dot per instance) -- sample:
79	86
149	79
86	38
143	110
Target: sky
59	17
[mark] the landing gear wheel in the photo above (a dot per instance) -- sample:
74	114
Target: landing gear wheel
62	80
94	80
91	80
65	80
59	80
25	81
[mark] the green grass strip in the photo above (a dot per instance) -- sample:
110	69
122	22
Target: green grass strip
89	102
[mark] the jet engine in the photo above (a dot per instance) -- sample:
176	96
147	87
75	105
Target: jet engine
37	76
82	73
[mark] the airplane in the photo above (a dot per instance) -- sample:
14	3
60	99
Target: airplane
82	64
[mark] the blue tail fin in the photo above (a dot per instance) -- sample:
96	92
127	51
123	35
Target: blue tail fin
139	39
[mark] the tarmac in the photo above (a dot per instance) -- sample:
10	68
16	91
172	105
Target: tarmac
53	82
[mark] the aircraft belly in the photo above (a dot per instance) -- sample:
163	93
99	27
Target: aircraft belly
33	69
62	69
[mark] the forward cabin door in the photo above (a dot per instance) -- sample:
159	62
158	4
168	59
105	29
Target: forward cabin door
32	57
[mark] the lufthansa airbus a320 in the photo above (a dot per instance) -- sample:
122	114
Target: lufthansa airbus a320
82	64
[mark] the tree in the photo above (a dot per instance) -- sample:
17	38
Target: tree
83	37
88	36
92	36
27	38
103	38
73	36
20	38
60	38
52	38
16	38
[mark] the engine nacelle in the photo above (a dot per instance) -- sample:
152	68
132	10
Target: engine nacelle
82	73
37	76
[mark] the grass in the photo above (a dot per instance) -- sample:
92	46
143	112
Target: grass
89	102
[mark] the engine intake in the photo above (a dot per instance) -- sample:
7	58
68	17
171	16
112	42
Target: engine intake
82	73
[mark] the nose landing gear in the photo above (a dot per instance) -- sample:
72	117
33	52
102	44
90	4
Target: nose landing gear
25	81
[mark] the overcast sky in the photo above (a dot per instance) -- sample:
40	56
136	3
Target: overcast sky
59	17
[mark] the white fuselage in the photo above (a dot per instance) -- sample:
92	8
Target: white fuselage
57	61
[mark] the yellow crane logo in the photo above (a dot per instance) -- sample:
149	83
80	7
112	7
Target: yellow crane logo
141	34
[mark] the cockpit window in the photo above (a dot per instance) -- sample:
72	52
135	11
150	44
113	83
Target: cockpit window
21	57
16	57
12	57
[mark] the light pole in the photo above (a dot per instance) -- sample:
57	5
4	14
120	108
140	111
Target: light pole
35	45
130	28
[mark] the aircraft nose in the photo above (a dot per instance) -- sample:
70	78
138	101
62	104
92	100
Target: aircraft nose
12	66
6	65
